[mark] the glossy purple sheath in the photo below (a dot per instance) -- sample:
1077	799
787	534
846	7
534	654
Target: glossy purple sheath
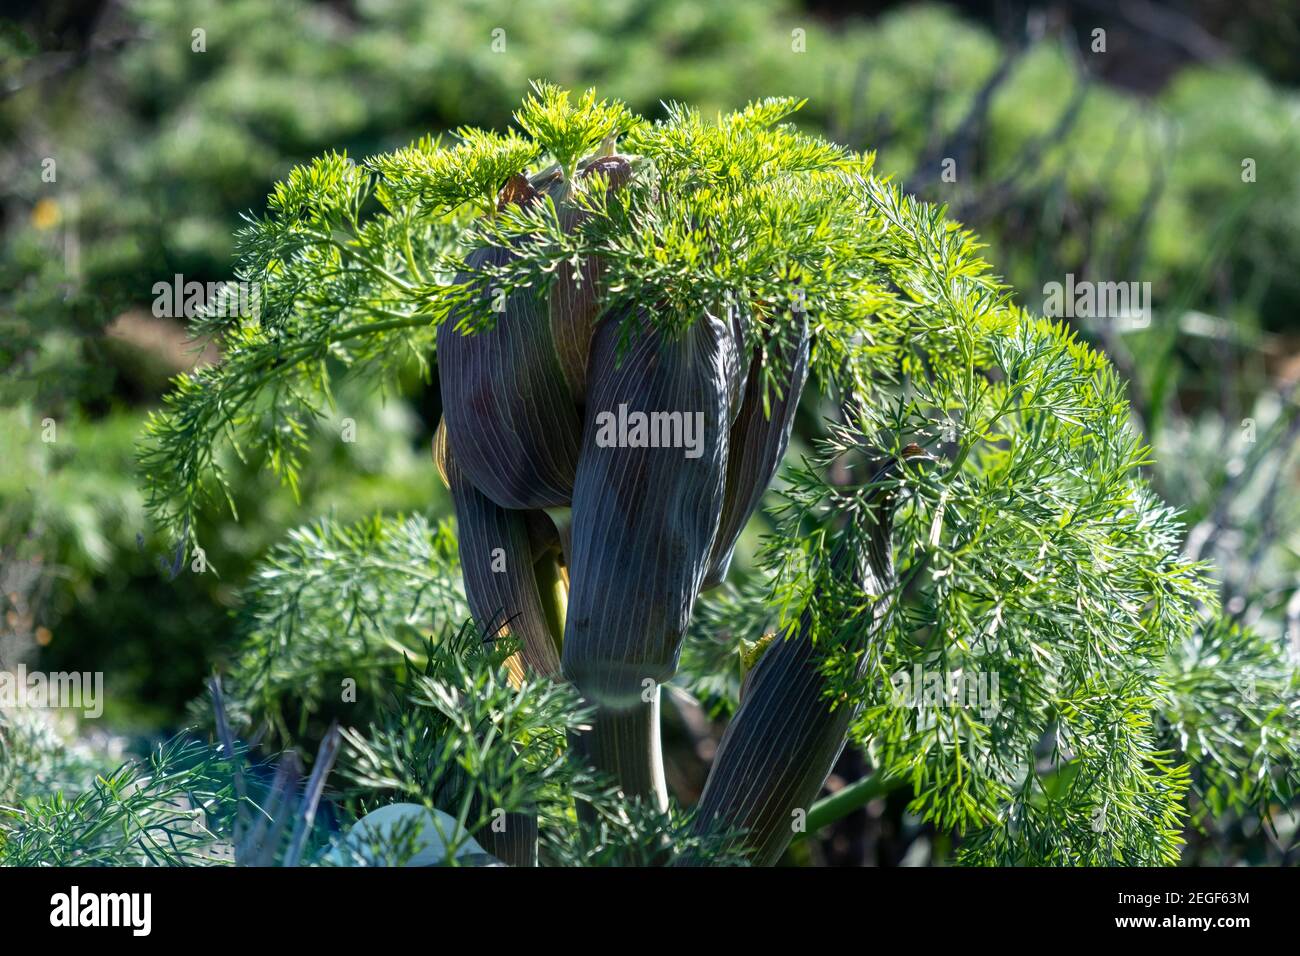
497	557
783	741
644	523
757	444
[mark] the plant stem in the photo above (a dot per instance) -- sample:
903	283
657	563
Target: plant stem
843	802
554	595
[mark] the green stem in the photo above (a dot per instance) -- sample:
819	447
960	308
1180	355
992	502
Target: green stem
410	255
375	267
554	596
843	802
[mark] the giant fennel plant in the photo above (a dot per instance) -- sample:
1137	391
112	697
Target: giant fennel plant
964	573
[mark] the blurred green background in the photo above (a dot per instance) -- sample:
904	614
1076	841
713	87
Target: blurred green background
1161	150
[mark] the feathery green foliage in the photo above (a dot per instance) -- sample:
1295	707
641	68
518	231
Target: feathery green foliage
35	759
452	733
567	132
334	603
355	265
174	809
1035	568
459	737
1233	708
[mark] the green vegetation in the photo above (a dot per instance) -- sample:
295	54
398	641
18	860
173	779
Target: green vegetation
1145	704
